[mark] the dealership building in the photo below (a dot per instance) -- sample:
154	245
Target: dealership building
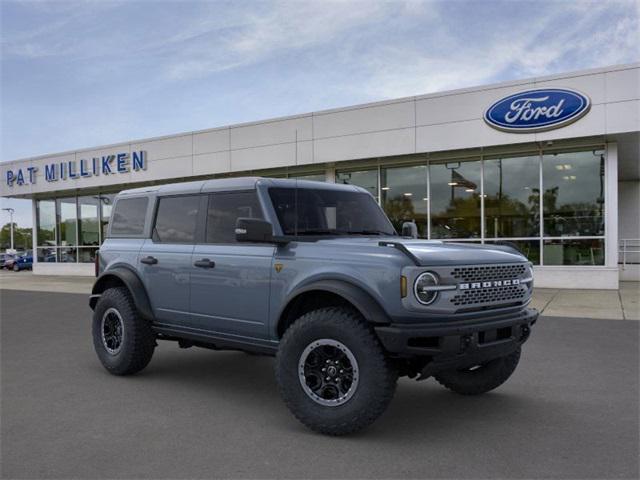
551	164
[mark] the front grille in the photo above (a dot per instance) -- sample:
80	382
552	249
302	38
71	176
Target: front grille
490	272
512	293
493	295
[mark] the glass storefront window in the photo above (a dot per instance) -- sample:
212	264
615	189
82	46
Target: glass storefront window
574	252
404	196
367	179
67	221
106	204
87	254
47	255
573	198
512	197
455	199
529	248
88	222
46	222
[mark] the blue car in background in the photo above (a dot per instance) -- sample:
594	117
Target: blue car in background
23	262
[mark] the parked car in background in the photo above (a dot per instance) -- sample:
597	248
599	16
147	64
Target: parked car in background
23	262
6	260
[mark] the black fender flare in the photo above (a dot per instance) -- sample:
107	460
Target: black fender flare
133	283
355	295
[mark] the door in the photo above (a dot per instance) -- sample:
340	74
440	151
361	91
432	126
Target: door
230	281
165	259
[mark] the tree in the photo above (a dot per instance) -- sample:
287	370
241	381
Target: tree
22	237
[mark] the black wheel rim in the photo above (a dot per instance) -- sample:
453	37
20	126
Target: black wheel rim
112	331
328	372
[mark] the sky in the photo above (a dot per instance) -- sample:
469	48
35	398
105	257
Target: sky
86	73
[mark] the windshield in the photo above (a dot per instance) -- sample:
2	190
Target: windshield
305	211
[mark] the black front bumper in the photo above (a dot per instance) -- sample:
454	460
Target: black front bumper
458	344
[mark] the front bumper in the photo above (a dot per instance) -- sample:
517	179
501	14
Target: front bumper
458	344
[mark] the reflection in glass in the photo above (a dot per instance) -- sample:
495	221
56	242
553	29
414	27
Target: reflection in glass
573	198
455	200
404	196
512	197
47	255
46	222
574	252
365	178
106	204
87	254
529	248
67	221
67	254
88	225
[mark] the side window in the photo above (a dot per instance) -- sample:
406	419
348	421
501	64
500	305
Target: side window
225	209
176	219
128	216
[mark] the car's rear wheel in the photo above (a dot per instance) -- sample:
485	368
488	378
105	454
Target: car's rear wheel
332	372
480	378
122	339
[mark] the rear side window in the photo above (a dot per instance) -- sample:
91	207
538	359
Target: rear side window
176	219
128	216
224	209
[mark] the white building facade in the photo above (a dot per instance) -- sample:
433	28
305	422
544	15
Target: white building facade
549	164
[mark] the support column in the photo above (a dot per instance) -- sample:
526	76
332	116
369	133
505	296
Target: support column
611	205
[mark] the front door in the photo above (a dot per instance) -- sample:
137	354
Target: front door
230	282
165	259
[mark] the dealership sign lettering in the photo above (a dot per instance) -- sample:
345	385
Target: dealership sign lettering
537	110
75	169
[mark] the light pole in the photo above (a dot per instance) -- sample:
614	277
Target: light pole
11	212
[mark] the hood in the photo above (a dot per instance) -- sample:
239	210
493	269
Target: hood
435	252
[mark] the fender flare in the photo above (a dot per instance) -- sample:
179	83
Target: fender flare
133	283
357	296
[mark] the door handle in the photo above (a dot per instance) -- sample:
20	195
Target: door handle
149	260
204	263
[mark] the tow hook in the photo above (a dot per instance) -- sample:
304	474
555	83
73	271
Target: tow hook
525	333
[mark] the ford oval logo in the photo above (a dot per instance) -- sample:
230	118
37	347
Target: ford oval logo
537	110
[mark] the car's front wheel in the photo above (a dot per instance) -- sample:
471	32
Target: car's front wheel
16	268
122	339
480	378
332	372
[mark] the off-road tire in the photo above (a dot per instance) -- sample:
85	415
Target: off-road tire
377	376
481	380
138	341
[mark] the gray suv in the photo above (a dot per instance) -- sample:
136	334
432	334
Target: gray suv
315	274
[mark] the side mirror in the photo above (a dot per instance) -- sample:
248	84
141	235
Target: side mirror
410	229
253	230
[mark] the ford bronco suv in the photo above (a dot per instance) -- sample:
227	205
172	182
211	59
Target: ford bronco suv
315	274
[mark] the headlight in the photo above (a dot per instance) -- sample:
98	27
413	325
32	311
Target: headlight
424	289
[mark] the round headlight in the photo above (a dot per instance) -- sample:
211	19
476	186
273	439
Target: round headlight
423	288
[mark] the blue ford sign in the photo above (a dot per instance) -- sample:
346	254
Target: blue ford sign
537	110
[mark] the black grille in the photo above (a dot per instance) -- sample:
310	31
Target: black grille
511	293
489	272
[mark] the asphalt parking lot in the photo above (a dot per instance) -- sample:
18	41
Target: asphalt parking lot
570	411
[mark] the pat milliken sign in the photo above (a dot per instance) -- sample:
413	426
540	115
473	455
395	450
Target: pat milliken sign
117	163
537	110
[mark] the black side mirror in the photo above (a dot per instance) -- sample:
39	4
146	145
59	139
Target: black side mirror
253	230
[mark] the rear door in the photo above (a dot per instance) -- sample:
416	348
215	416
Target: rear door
165	258
230	282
